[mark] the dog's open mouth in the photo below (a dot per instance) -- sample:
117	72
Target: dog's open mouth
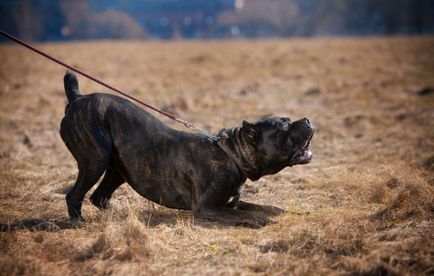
302	155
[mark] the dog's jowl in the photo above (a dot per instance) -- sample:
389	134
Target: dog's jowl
109	135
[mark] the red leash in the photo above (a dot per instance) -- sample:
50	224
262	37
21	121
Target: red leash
167	114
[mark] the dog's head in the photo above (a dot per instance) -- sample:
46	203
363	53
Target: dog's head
267	146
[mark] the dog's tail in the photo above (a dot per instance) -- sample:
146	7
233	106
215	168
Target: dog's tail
71	86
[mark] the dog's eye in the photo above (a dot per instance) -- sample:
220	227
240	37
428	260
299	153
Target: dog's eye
284	126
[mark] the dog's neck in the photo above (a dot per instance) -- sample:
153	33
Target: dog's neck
234	144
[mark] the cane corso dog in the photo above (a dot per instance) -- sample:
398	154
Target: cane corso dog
109	134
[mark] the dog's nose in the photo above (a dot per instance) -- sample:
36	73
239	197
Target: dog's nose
306	120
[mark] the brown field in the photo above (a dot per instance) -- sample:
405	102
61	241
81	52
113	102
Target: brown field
365	205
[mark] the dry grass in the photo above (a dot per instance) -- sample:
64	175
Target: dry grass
364	206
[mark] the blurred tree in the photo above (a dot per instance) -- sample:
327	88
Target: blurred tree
321	17
76	18
262	17
115	25
83	24
283	15
21	18
29	21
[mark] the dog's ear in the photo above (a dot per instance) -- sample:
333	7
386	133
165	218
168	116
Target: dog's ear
251	132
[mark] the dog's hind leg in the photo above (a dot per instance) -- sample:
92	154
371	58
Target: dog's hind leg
88	175
111	181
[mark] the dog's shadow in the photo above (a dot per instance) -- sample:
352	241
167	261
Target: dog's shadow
167	217
53	225
173	218
38	224
150	219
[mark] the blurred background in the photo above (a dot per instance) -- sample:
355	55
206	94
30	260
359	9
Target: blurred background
47	20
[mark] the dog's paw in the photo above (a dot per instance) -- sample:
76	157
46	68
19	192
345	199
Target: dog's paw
273	210
256	221
78	222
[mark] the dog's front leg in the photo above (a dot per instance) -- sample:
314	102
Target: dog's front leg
204	207
235	202
267	209
231	216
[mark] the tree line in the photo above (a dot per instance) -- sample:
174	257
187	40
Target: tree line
92	19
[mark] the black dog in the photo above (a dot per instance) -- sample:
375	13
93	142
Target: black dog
106	133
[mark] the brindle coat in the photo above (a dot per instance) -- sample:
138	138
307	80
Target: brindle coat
176	169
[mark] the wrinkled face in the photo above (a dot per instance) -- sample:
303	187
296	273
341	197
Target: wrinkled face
279	143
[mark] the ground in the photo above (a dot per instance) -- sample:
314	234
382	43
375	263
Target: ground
364	205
